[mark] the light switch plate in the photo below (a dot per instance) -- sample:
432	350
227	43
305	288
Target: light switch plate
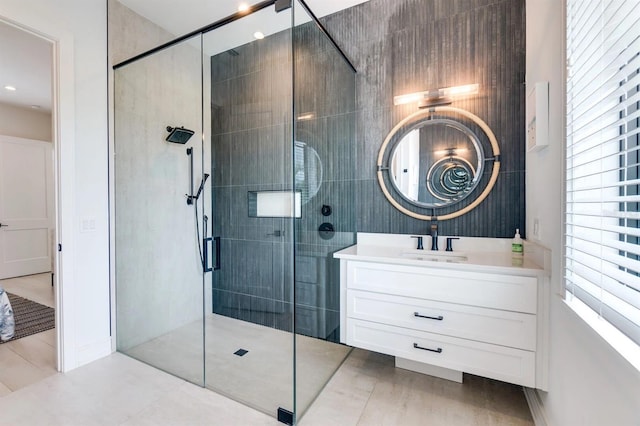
536	228
538	116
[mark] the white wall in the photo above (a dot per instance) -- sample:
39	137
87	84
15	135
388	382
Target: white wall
79	29
131	34
157	272
589	383
25	123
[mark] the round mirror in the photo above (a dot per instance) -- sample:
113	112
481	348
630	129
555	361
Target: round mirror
434	159
307	171
437	162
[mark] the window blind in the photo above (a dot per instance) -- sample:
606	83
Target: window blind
602	230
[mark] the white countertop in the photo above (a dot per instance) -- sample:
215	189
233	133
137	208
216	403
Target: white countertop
470	253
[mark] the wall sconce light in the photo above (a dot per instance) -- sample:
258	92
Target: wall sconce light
434	97
449	152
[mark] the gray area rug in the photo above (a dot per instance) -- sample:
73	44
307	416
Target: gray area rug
30	317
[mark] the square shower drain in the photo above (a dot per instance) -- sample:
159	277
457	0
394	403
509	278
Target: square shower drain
240	352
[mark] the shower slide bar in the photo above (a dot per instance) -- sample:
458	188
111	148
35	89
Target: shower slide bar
190	194
191	198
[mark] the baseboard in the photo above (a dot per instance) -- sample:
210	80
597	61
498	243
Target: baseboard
535	406
431	370
93	352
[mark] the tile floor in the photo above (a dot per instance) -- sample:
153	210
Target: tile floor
117	390
369	390
366	390
32	358
262	378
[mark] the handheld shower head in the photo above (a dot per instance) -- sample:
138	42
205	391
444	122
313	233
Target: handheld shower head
178	134
204	180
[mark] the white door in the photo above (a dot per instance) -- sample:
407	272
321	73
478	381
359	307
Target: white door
26	205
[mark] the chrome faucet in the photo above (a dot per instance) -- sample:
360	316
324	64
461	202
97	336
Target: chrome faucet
434	235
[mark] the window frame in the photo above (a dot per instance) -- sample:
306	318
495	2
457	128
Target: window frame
629	348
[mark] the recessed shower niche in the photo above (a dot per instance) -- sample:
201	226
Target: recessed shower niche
243	304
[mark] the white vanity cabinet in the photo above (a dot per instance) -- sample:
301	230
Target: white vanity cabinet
479	319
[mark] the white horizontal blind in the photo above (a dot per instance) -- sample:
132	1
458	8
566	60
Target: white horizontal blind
603	159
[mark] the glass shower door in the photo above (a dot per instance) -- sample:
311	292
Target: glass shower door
234	165
249	327
159	223
325	176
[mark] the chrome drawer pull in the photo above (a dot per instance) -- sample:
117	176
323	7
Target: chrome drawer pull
438	318
416	346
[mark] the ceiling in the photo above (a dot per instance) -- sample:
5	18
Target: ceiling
25	63
194	14
25	59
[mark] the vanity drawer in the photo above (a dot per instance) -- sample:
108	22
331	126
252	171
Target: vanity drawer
507	292
483	359
505	328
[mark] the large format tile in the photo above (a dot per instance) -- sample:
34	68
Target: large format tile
414	399
30	359
49	337
16	372
369	390
4	390
190	405
262	378
366	390
106	392
34	350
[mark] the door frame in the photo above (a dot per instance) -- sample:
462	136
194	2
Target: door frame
63	141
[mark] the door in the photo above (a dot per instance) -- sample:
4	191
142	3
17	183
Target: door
159	221
26	206
249	321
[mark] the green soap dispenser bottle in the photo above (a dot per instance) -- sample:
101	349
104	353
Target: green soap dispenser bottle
516	244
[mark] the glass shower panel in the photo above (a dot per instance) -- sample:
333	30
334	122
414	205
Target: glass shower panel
324	174
159	269
249	324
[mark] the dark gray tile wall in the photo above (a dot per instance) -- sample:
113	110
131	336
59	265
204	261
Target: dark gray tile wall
406	46
397	47
251	97
252	110
324	86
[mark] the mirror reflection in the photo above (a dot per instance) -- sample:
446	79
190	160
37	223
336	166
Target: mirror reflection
307	171
436	162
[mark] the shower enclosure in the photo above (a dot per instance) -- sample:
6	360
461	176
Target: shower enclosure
232	158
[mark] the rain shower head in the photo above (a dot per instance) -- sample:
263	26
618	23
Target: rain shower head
178	134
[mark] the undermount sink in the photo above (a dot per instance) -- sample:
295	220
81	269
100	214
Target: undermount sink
434	256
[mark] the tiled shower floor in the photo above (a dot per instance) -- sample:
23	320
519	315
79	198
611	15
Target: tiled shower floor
262	378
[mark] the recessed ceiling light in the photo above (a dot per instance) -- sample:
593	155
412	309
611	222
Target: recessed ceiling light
10	88
243	7
258	35
35	106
